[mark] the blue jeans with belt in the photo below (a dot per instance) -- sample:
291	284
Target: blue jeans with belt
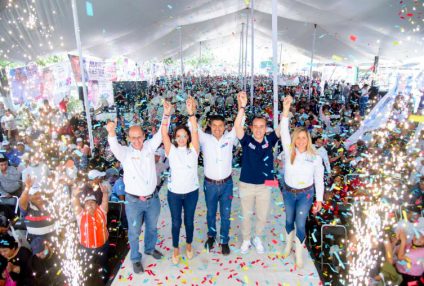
223	194
178	202
297	208
136	209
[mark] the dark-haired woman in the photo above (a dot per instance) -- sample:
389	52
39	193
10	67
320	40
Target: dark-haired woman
17	259
183	181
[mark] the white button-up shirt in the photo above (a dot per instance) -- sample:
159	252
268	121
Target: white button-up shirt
139	166
306	169
324	156
217	154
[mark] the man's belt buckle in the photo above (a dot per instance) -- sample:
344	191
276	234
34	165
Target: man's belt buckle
220	182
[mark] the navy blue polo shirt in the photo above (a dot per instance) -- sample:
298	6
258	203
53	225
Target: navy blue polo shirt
257	161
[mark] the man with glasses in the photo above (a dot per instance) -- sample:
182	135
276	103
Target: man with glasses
138	162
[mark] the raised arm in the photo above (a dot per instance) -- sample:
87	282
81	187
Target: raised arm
76	201
117	149
105	198
165	137
23	200
284	125
242	102
191	110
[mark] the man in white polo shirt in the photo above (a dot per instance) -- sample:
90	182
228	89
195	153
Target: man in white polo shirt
138	162
217	151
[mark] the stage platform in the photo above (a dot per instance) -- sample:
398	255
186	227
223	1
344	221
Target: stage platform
211	268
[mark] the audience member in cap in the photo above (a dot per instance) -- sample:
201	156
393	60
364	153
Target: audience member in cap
37	170
46	264
10	182
92	223
95	181
38	219
10	154
16	261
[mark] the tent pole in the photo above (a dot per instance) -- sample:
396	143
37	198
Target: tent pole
241	51
78	38
279	64
200	60
182	64
312	61
252	65
245	51
274	59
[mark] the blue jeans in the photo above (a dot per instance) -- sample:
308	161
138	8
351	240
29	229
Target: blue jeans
136	209
363	105
224	195
176	204
297	209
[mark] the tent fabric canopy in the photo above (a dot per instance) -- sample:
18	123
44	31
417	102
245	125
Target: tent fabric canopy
352	31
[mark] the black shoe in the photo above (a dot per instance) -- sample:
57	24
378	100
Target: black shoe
209	243
225	249
156	254
138	267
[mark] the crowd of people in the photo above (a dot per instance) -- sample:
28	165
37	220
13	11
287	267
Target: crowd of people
163	134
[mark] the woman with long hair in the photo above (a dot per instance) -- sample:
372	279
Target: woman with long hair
183	181
303	173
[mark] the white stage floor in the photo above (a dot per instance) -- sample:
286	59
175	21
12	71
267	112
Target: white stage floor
269	268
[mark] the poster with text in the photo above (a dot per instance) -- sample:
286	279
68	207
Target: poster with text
100	93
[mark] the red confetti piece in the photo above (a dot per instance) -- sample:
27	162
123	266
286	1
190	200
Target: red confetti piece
353	38
410	15
274	241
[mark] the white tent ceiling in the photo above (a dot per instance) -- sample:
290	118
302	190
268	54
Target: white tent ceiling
147	29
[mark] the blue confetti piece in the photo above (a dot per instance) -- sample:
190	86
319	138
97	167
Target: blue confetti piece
169	6
89	7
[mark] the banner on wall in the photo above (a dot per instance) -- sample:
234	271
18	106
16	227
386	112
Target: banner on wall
18	79
94	70
76	68
288	81
55	83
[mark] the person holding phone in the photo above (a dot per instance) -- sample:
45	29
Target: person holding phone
303	173
183	181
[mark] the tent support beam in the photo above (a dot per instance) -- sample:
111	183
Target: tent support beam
245	50
274	59
182	64
253	60
312	61
78	39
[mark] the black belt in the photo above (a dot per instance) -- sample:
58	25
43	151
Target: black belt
297	191
145	198
219	182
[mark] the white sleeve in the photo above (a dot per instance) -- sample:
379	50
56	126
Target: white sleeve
319	179
117	149
285	136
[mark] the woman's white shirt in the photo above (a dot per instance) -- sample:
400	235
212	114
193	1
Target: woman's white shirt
183	177
306	170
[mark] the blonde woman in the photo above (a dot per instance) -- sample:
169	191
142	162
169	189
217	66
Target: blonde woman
303	173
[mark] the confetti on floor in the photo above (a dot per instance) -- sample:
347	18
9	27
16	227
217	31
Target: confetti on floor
212	268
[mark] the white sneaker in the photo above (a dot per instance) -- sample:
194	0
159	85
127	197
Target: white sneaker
257	242
245	246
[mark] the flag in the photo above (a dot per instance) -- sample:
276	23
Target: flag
378	117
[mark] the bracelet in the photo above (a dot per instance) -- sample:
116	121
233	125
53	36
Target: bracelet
244	107
164	124
190	115
166	115
75	196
